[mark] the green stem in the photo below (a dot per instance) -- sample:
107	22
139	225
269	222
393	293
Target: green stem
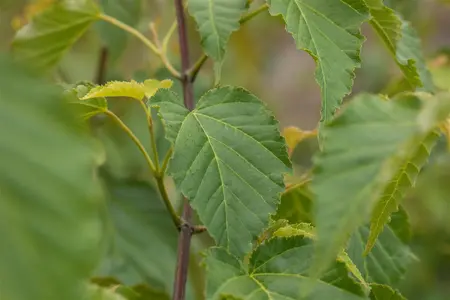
159	177
130	30
138	143
253	14
166	161
144	40
163	192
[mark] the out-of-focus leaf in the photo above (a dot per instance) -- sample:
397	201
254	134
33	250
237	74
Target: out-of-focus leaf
89	107
403	43
388	260
372	154
30	10
307	230
126	11
136	292
99	293
143	239
131	89
294	135
42	43
229	160
277	270
384	292
216	20
399	223
50	198
330	33
296	205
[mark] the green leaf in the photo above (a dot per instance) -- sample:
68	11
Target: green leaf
115	38
216	20
330	33
50	198
403	43
42	43
307	230
368	149
98	293
229	160
131	89
384	292
296	205
400	225
142	240
277	270
87	108
405	178
388	260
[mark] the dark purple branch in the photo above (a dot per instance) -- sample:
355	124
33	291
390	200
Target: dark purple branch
186	229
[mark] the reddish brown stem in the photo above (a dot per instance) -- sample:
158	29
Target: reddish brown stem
186	229
102	62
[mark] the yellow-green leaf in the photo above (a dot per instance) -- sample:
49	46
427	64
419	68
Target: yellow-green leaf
294	135
130	89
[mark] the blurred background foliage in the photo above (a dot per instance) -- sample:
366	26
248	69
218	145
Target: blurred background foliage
262	57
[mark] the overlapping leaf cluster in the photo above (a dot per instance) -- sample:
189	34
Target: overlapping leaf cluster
338	234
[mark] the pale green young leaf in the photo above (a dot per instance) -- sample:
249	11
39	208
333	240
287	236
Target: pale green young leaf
384	292
403	43
229	160
100	293
42	43
302	229
50	198
277	270
130	89
365	148
330	32
216	20
89	107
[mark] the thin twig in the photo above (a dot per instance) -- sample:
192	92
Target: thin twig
186	230
162	52
144	40
253	14
166	161
158	176
130	133
197	67
131	30
163	192
201	61
102	63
